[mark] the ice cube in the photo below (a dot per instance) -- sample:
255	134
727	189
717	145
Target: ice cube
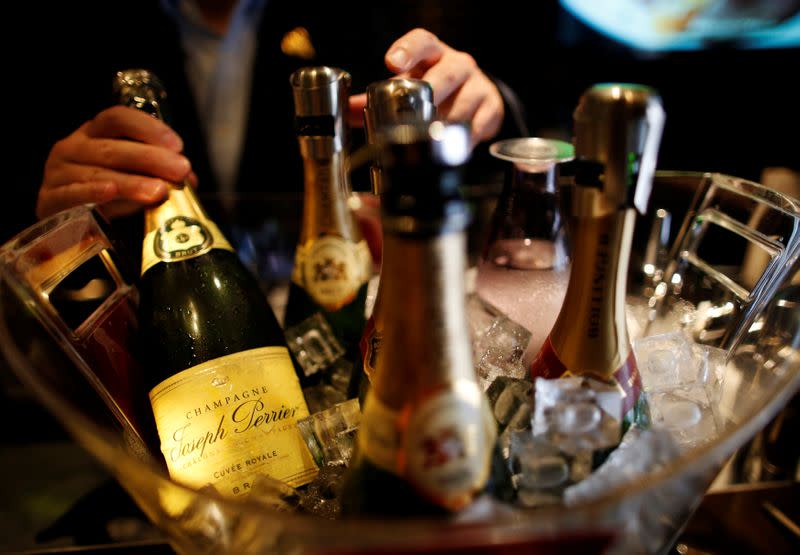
487	372
540	471
686	413
322	396
339	374
313	343
511	404
480	315
200	516
511	400
495	362
640	452
498	343
712	363
577	414
330	434
544	464
683	382
665	361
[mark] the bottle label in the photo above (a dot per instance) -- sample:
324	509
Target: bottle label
179	238
441	446
231	419
331	270
370	345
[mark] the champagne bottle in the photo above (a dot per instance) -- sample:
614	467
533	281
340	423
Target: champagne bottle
332	261
617	132
225	395
389	102
425	441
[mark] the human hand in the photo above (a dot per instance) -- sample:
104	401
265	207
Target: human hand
121	160
461	91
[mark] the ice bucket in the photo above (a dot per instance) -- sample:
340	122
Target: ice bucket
761	333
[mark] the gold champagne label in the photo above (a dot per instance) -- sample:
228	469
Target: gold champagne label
590	333
331	269
231	419
442	447
181	237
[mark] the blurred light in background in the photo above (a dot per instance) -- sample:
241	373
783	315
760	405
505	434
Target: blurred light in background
664	25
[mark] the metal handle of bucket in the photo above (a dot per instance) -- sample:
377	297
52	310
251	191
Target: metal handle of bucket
65	270
739	208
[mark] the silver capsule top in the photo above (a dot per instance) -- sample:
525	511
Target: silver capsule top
393	102
398	100
320	100
141	89
619	126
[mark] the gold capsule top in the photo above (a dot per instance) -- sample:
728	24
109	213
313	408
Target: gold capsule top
618	126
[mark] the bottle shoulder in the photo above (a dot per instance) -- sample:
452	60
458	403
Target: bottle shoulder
194	310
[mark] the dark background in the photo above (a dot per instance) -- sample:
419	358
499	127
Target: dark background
728	109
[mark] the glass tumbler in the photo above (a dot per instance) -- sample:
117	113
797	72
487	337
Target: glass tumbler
524	266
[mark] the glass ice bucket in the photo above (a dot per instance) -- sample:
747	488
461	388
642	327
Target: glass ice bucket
68	323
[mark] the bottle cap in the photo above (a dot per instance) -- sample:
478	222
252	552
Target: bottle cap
320	100
141	89
391	102
617	130
398	100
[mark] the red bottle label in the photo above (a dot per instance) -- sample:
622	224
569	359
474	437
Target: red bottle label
369	345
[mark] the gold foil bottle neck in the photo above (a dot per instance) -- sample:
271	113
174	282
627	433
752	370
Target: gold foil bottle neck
619	126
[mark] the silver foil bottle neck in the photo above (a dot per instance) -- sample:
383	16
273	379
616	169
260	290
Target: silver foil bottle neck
321	96
618	126
395	101
391	102
141	89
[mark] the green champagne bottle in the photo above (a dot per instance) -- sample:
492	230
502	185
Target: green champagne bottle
333	264
225	394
